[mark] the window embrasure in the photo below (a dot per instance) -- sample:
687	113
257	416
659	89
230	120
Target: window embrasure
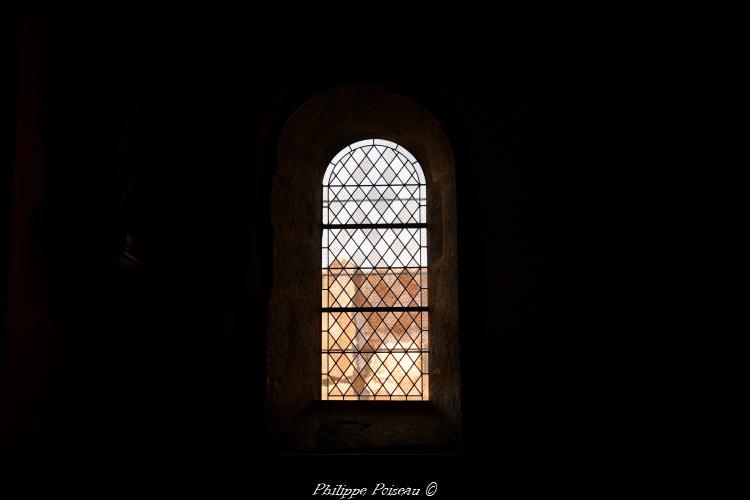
369	218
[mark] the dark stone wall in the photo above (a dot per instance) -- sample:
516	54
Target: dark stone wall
579	227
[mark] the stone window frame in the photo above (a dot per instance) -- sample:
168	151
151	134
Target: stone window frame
296	418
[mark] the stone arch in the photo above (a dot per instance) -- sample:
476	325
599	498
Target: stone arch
315	133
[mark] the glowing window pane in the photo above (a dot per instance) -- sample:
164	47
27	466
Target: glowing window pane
374	311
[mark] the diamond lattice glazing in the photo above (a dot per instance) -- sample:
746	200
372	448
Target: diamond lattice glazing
374	302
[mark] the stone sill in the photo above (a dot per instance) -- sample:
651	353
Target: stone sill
402	407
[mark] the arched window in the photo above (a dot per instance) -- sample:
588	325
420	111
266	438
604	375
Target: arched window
363	192
375	299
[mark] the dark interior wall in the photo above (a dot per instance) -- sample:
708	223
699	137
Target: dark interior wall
11	29
576	209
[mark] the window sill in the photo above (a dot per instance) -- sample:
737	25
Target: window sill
320	406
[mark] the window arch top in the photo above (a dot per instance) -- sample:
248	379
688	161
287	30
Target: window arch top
374	182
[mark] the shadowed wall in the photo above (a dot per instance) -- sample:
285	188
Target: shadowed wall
576	205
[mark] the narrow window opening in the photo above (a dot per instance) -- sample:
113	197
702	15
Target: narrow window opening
374	312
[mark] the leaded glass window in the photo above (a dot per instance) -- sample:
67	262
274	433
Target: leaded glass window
374	311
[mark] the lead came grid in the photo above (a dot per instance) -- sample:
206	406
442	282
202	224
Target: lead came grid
374	302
